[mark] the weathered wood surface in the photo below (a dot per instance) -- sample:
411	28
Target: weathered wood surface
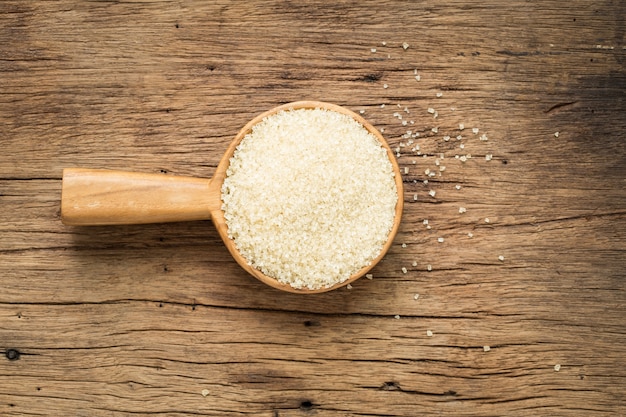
159	320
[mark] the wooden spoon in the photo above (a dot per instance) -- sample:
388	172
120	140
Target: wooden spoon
92	197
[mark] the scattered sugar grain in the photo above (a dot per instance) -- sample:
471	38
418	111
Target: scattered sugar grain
488	157
429	333
475	130
486	348
439	95
446	138
458	187
501	258
418	77
349	287
369	276
557	367
487	220
461	126
405	46
462	210
397	317
483	137
416	296
385	85
373	50
440	239
404	270
432	193
414	197
404	245
414	263
383	43
429	267
425	221
470	235
204	392
430	110
556	134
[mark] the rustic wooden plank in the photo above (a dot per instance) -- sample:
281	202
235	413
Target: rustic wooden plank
159	355
141	319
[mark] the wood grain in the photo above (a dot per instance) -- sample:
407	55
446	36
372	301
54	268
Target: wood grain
159	319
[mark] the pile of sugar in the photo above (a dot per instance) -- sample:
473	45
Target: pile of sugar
309	197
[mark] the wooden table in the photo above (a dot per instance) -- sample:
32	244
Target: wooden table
520	310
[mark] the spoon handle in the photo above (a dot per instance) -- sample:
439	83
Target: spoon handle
93	197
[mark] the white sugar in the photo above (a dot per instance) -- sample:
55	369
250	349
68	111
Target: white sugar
309	198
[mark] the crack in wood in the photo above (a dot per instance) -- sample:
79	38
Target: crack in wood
560	107
234	308
560	219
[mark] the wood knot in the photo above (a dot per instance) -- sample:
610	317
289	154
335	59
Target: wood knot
306	405
12	354
372	77
390	386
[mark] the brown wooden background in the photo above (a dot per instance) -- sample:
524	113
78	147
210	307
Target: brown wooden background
158	320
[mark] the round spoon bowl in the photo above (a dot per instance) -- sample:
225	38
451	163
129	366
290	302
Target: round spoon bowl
103	197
